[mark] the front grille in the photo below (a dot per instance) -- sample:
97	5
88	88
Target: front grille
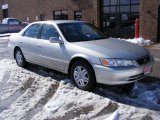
143	60
136	77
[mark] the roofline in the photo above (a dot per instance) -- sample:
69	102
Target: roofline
59	21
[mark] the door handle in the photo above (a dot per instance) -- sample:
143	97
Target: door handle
39	46
20	42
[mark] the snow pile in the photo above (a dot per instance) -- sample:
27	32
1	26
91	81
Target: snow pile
28	95
72	103
2	71
4	65
140	41
114	116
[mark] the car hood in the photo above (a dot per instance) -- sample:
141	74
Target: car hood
114	48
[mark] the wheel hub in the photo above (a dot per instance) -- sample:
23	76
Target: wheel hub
81	76
19	57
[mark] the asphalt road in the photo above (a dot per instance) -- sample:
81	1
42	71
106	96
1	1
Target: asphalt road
154	49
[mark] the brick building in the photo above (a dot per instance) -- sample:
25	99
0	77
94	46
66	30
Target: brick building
116	17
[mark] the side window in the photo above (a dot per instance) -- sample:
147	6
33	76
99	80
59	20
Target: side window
32	31
13	22
48	31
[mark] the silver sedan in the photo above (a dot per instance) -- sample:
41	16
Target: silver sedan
79	49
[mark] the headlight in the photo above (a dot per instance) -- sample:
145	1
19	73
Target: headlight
116	62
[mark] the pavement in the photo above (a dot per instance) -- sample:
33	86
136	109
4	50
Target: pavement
155	51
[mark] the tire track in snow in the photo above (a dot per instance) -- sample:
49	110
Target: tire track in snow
5	79
112	107
39	106
5	104
35	97
75	113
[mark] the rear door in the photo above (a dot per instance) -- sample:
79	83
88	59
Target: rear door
28	42
50	54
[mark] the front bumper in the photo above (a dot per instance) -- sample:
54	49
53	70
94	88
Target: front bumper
118	76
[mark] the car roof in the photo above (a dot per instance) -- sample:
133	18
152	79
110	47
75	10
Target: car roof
59	21
10	18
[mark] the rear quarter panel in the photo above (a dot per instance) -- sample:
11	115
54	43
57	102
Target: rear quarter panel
13	42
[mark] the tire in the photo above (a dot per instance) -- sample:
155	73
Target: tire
83	76
20	60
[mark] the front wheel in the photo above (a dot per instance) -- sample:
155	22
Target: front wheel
20	60
83	76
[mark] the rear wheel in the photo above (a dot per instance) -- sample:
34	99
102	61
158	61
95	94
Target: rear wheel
83	75
20	60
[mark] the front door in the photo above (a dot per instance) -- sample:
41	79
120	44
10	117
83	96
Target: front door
158	33
50	54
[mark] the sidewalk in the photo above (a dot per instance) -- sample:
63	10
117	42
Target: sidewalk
155	51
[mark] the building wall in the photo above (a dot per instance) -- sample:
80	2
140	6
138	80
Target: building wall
1	13
22	9
149	19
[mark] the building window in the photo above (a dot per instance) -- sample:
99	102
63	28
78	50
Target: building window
42	17
60	15
118	17
124	2
78	15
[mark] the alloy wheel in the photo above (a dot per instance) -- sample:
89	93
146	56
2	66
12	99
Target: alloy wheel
81	76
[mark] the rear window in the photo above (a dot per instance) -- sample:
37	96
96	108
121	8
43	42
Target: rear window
14	22
32	31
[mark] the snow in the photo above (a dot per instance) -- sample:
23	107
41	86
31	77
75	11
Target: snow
33	94
4	39
140	41
114	116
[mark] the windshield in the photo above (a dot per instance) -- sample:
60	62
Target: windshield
79	31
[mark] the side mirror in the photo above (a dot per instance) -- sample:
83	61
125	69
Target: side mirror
55	40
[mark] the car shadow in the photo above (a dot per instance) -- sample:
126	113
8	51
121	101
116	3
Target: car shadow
145	93
46	72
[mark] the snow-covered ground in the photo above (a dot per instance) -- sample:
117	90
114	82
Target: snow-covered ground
4	39
140	41
33	94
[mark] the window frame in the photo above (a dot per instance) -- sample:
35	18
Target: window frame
107	15
9	20
62	16
75	14
114	23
